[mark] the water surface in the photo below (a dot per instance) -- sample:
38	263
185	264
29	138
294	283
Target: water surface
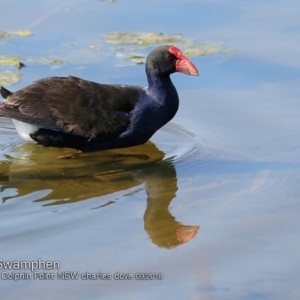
211	202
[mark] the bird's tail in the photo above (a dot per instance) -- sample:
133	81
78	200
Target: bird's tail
4	92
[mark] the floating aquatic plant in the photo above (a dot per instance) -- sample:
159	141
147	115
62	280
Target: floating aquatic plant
208	48
47	60
9	78
130	44
94	47
9	60
141	38
22	32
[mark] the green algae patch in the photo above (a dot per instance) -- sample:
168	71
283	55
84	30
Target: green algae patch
127	38
22	32
9	60
137	59
134	47
208	48
16	33
46	60
129	45
94	47
50	60
9	78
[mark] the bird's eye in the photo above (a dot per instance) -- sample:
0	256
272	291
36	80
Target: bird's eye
169	56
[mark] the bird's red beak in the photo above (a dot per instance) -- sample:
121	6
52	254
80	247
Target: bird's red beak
183	64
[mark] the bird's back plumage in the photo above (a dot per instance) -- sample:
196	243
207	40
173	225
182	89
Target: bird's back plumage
73	106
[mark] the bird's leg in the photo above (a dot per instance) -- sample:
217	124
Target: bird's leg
69	156
82	155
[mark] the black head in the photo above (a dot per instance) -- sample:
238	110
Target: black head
167	59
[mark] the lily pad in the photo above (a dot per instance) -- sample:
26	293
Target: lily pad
9	78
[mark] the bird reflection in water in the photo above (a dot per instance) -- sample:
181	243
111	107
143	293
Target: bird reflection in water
162	227
100	174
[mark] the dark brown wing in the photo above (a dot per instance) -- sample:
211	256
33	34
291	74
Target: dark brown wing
73	105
